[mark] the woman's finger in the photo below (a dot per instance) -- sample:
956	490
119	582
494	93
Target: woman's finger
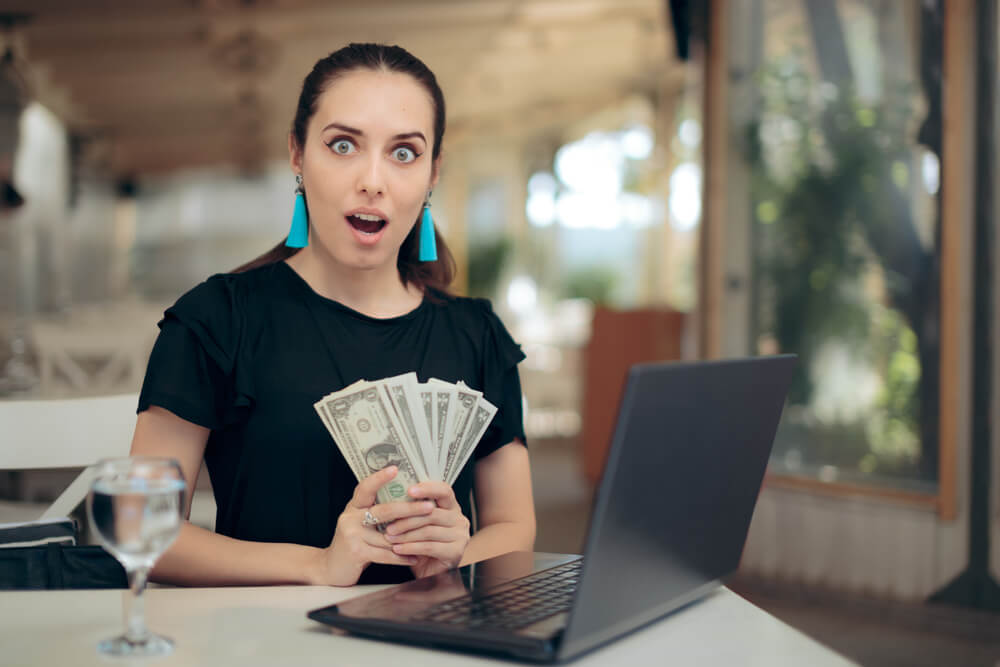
388	557
387	513
374	538
444	551
364	492
406	525
437	517
426	534
439	492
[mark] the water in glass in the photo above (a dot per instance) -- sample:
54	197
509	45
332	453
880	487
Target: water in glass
137	519
135	507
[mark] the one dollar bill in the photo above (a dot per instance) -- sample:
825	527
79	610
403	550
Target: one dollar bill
372	438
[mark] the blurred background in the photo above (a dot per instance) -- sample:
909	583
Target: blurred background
626	180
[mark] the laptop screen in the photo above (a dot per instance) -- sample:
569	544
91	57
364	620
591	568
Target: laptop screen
673	508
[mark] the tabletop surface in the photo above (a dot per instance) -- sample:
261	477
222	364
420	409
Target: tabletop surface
268	626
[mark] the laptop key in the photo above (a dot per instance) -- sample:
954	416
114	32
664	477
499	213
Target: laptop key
517	604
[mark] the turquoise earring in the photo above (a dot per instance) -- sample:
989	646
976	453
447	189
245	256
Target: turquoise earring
428	246
298	237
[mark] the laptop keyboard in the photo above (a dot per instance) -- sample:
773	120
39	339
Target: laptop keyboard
513	605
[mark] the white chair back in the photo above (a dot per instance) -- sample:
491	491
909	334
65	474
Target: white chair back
65	433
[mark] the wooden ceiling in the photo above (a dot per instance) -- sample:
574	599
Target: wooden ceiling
154	85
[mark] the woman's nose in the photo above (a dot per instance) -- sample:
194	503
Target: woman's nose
370	179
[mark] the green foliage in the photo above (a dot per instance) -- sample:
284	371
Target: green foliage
823	164
596	283
891	429
486	263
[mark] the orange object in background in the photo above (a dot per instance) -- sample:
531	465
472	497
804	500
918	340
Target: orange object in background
619	338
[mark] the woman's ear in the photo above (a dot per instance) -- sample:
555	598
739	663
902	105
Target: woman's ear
294	154
435	172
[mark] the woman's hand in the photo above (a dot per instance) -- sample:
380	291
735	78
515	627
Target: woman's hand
437	539
356	545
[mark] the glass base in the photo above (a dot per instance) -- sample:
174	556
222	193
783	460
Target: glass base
122	646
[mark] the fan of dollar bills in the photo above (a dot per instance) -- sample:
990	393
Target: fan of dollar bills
427	429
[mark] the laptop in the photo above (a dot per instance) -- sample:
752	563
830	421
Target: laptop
669	520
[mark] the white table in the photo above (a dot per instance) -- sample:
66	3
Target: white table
267	626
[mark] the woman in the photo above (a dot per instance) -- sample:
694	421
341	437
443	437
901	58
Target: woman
241	359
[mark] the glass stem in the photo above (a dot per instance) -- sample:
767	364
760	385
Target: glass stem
135	620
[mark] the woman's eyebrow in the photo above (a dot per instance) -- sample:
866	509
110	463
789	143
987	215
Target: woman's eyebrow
344	128
356	131
411	135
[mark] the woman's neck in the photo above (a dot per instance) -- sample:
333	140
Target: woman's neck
376	292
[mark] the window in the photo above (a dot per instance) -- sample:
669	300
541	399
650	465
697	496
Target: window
841	149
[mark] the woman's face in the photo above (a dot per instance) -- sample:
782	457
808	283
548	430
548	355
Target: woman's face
366	166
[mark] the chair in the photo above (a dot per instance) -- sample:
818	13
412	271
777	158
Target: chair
98	348
65	433
619	339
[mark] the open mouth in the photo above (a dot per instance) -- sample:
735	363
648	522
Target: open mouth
367	224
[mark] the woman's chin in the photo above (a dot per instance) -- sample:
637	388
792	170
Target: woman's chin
370	259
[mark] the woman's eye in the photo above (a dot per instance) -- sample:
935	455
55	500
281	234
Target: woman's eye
342	146
404	154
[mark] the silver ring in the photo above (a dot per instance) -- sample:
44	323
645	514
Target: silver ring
369	521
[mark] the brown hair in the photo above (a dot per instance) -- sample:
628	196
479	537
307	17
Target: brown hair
438	274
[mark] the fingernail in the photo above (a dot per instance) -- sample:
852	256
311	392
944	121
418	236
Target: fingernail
414	491
428	506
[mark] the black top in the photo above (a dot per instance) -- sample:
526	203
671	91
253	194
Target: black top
248	354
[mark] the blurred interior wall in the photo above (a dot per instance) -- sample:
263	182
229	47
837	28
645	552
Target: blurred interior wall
41	171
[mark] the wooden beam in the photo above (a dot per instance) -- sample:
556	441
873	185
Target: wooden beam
335	22
957	181
147	76
455	175
928	501
711	251
544	115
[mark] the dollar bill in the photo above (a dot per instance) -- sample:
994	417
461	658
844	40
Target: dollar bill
478	423
427	403
445	398
466	407
338	438
402	392
372	436
353	462
429	430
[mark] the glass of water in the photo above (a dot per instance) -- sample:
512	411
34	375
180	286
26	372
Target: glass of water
135	507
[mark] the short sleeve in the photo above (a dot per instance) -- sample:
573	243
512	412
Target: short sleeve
191	370
501	385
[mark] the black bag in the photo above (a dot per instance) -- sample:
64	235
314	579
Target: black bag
64	530
55	565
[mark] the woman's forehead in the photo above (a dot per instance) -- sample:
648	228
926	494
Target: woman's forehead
376	101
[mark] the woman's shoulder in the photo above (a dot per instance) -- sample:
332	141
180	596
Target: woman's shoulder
219	310
225	303
481	325
475	309
478	318
230	289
